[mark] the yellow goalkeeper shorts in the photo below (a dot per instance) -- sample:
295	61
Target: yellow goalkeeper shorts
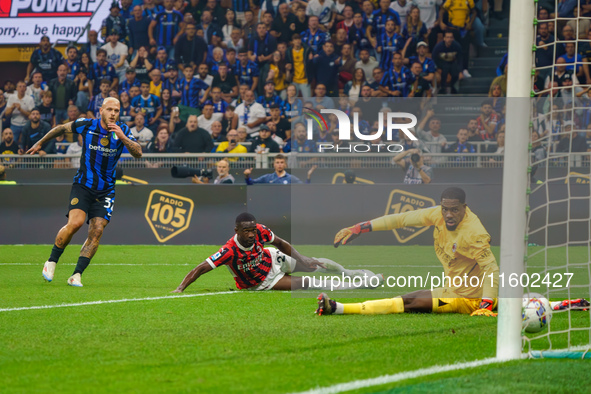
446	300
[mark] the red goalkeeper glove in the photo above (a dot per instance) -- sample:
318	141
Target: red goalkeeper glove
485	308
350	233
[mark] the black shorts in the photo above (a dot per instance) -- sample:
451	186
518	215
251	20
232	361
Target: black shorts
95	204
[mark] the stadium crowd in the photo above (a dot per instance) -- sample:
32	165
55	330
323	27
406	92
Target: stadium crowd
237	76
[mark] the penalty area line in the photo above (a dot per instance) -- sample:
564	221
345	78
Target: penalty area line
25	308
385	379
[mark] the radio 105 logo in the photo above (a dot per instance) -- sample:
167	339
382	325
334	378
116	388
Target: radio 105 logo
388	124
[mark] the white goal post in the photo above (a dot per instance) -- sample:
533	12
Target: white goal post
515	176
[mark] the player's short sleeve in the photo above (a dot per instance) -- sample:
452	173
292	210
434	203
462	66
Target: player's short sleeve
221	257
266	233
79	125
127	131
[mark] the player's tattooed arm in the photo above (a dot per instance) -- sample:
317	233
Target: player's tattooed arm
55	132
133	147
192	276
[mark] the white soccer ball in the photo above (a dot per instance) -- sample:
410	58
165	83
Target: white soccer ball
535	313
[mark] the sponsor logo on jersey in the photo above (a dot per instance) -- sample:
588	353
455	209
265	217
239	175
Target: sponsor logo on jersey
401	201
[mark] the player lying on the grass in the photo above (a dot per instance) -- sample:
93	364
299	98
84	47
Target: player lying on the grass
93	191
462	247
255	267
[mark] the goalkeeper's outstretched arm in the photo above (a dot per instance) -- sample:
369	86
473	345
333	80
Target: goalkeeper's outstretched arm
418	218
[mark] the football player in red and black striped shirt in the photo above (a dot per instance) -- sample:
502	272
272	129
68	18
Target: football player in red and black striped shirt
258	268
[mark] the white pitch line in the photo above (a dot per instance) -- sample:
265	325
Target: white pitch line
115	301
385	379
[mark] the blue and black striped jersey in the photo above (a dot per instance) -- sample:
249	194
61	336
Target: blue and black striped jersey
148	106
102	72
168	27
190	91
389	45
126	85
246	72
101	150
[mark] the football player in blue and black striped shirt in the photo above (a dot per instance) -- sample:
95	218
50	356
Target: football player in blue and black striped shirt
93	191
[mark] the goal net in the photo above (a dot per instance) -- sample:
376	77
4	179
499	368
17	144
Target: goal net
558	236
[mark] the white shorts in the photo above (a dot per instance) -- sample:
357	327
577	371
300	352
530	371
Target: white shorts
282	264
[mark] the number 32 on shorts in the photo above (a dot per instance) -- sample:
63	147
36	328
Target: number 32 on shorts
109	202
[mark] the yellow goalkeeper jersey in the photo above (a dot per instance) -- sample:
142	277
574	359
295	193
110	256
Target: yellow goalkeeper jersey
464	252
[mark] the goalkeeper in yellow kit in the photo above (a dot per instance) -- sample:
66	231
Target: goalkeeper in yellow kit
461	245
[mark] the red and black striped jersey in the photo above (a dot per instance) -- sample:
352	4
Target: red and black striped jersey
249	266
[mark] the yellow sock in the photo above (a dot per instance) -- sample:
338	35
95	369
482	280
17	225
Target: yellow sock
377	307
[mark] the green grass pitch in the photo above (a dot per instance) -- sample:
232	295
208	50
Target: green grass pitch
266	342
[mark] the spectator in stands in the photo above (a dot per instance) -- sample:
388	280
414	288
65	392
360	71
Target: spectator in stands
419	87
487	121
166	28
4	120
367	64
380	17
46	108
320	98
571	57
232	145
19	108
130	80
251	114
499	148
192	138
415	170
280	176
428	67
448	57
150	9
148	104
269	97
544	50
64	92
155	82
190	88
34	130
141	64
114	21
225	84
246	71
8	146
414	30
264	143
473	133
209	28
314	37
116	53
261	46
104	70
44	59
162	142
97	101
388	43
461	145
143	134
566	8
37	87
219	105
283	26
435	141
208	116
571	141
137	28
72	61
397	81
91	46
300	144
353	88
190	48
